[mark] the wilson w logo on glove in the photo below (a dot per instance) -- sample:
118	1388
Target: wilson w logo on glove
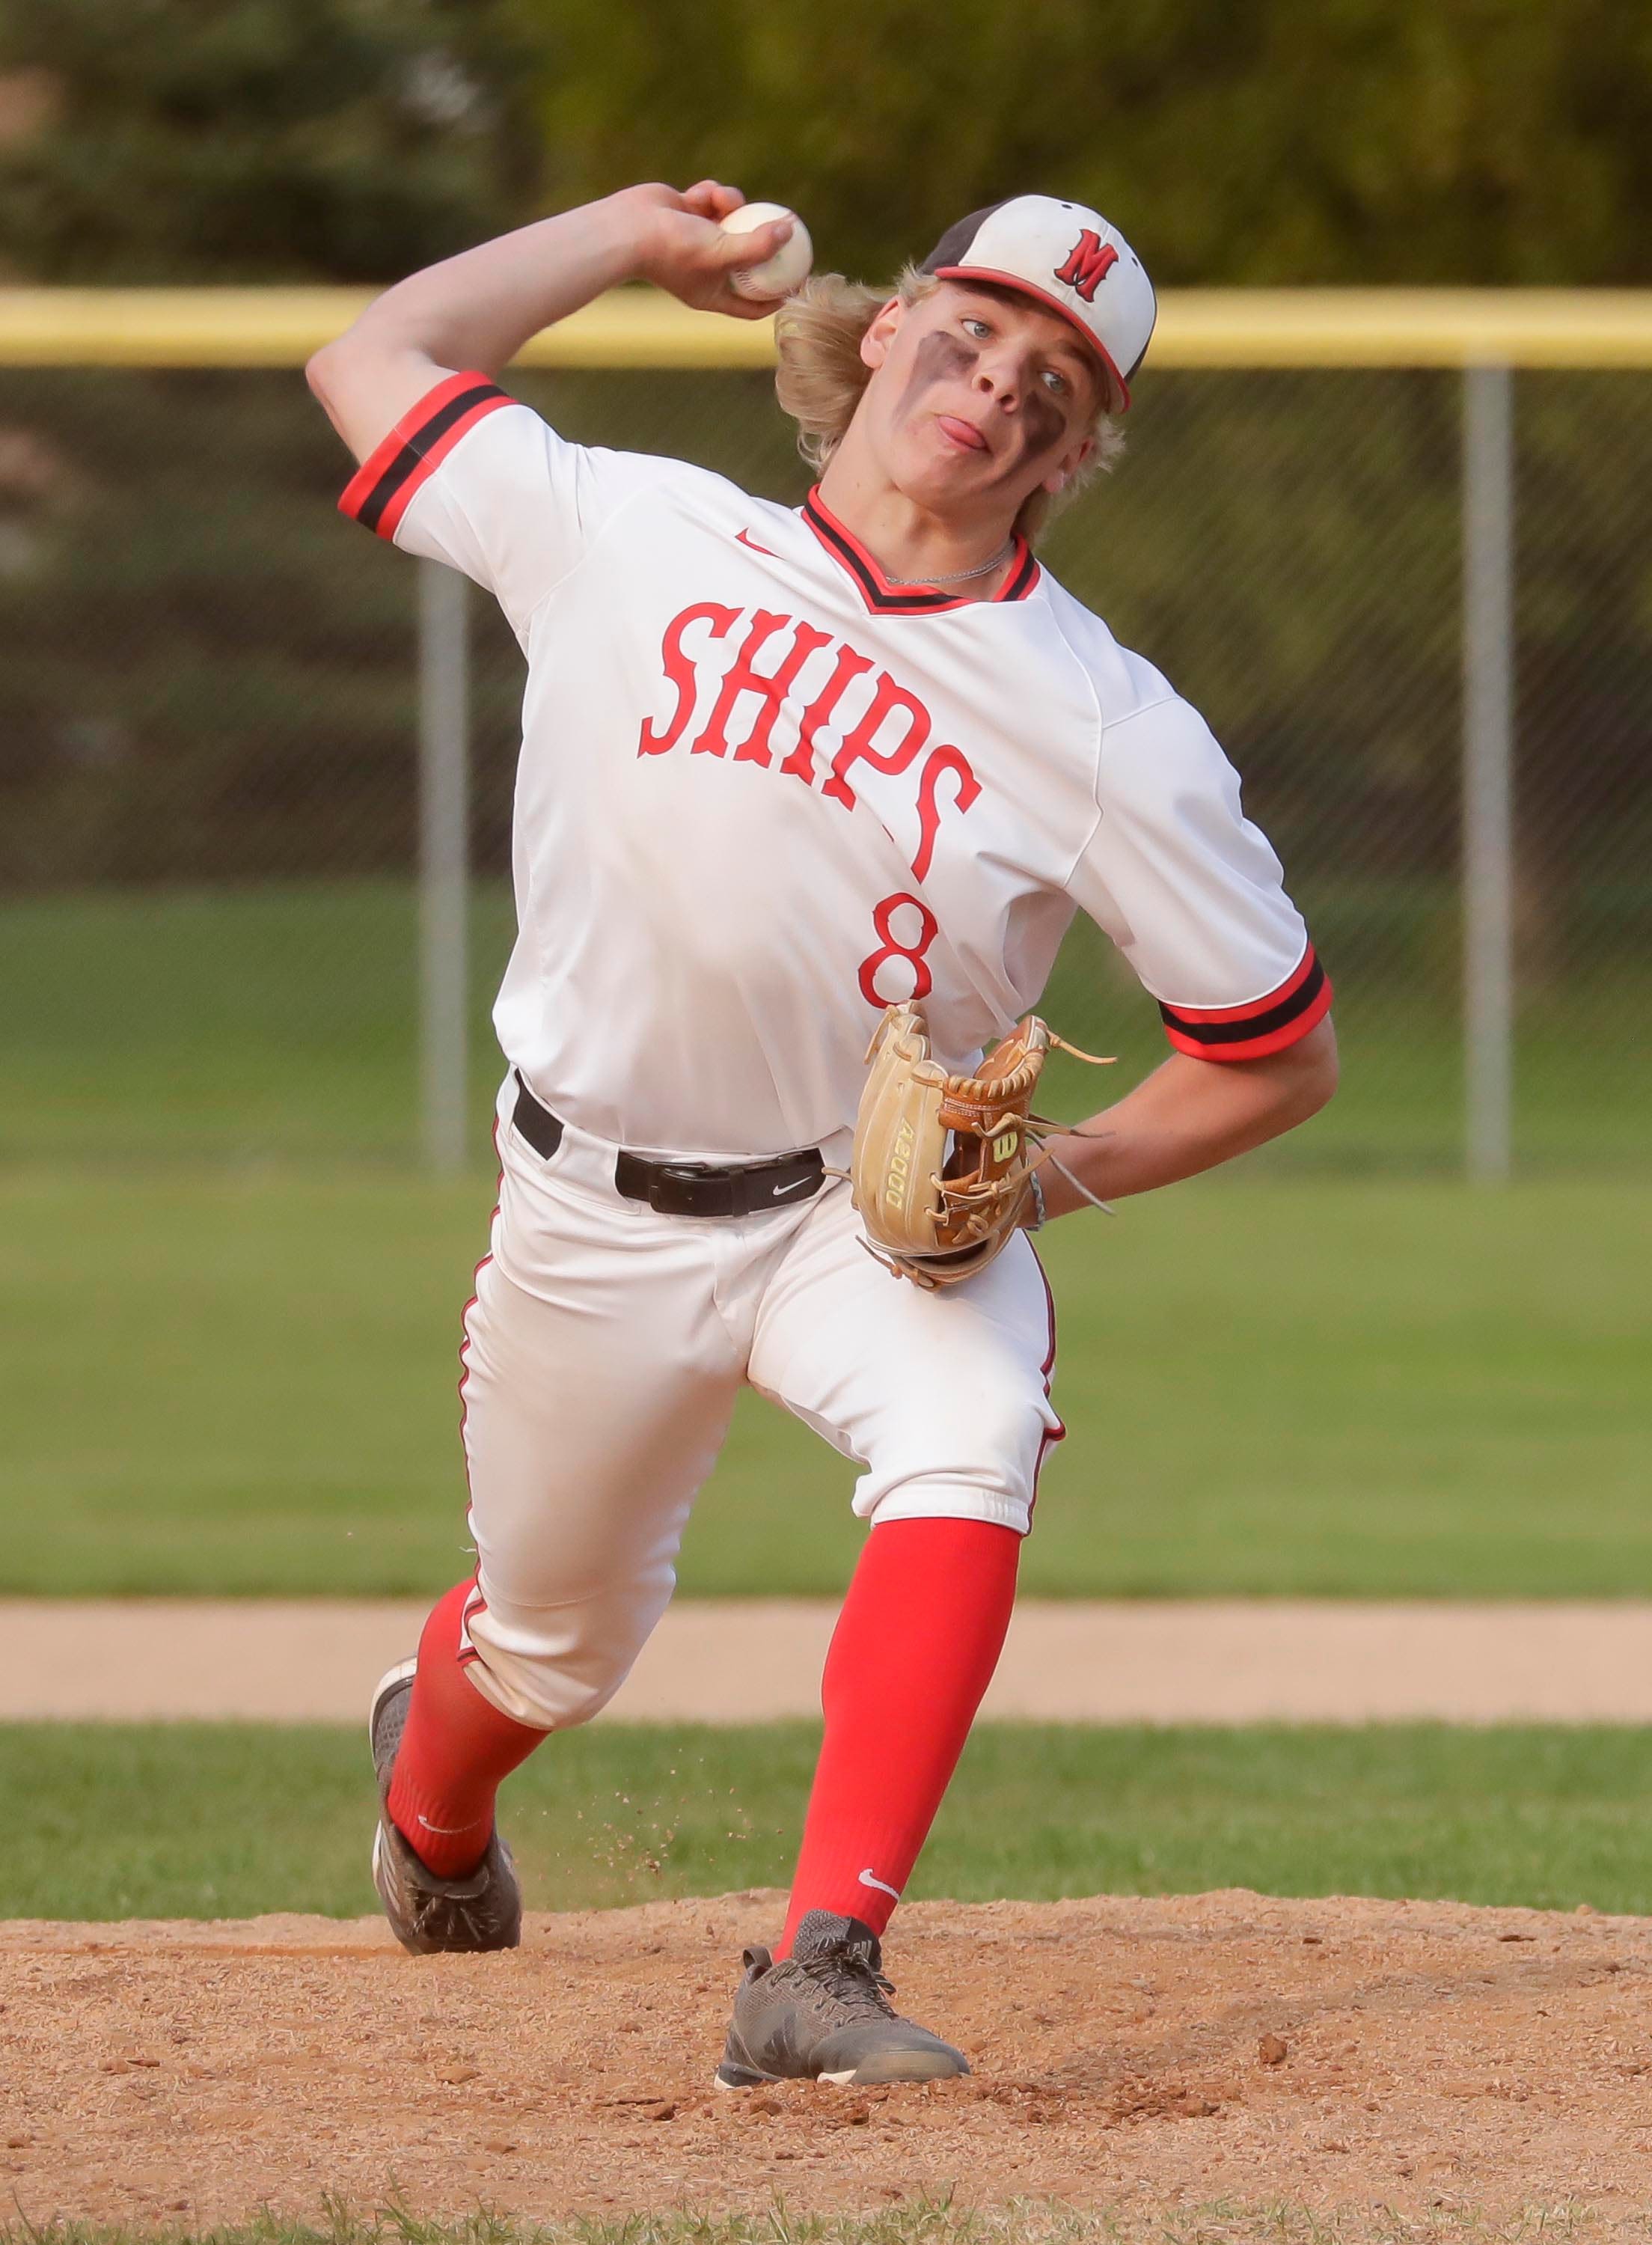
941	1173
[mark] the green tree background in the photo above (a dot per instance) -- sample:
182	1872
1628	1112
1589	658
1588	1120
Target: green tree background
1287	142
219	140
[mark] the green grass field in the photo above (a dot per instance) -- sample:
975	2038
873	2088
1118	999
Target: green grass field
939	2222
229	1308
226	1821
276	1021
244	1383
942	2220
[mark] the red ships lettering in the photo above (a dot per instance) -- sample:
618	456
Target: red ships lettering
890	731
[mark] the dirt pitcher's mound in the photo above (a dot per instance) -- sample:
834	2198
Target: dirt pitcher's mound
1225	2047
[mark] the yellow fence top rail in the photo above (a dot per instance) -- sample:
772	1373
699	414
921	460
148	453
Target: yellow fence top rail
641	328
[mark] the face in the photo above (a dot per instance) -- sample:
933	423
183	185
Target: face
979	397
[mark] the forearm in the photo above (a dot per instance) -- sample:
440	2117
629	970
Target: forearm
478	309
1190	1115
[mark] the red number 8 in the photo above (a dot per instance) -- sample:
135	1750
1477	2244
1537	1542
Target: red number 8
892	947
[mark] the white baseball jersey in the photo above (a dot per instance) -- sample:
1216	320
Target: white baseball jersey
764	792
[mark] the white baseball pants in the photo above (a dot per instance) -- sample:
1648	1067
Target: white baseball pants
602	1356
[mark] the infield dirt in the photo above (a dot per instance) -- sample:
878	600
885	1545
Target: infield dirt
1165	2052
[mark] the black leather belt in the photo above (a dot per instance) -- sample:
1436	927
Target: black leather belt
688	1188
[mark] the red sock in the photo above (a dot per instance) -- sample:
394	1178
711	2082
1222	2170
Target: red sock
913	1652
453	1751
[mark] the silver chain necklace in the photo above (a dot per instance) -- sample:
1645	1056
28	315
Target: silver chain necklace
958	576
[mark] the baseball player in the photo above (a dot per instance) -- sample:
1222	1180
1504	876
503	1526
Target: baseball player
781	769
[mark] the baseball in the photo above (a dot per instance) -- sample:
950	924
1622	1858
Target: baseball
787	269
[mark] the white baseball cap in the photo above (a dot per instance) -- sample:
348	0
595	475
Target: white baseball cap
1067	257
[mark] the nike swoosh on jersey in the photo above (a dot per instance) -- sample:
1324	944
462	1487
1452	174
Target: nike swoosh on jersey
743	537
870	1879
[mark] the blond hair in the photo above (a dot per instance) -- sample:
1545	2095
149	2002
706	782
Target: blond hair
821	377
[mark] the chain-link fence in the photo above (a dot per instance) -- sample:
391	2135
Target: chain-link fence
209	727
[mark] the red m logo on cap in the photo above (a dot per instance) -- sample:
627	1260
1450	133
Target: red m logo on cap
1088	260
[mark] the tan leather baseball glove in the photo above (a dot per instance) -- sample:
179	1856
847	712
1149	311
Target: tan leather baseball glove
941	1173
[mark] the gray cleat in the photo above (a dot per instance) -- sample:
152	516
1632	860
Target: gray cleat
824	2015
429	1915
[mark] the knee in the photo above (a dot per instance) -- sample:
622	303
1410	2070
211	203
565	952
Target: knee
546	1694
555	1667
981	1464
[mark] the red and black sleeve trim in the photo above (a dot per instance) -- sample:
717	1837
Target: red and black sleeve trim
1251	1032
379	491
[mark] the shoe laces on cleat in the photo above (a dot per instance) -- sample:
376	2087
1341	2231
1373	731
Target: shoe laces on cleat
843	1959
451	1922
850	1977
